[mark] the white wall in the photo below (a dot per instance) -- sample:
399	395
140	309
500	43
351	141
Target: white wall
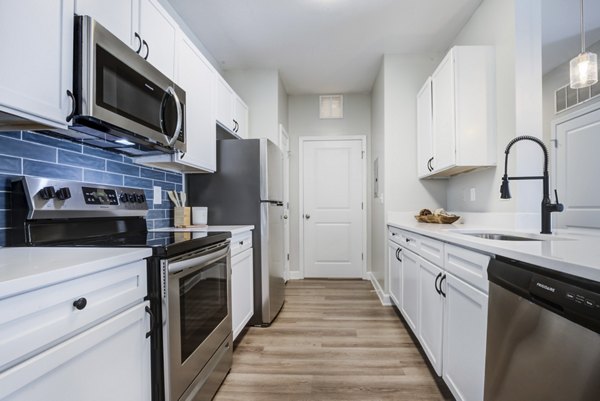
303	120
394	142
282	101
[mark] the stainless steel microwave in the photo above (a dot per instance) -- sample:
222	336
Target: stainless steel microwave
121	101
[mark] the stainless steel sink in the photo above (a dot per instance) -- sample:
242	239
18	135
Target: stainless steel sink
502	237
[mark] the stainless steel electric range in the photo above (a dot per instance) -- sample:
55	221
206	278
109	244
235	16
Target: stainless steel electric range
189	276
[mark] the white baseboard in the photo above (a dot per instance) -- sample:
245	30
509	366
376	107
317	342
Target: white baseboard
295	275
383	297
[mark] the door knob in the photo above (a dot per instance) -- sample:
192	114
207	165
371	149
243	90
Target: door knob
285	216
307	216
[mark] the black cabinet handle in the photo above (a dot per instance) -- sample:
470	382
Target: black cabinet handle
80	303
399	252
72	113
438	290
441	281
149	311
429	165
139	49
147	49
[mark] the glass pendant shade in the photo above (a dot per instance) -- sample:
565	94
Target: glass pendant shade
584	70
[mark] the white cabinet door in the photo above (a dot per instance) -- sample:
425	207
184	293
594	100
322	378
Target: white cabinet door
410	289
118	16
110	361
444	144
395	269
195	75
465	328
240	118
224	103
37	54
431	313
159	35
424	130
242	291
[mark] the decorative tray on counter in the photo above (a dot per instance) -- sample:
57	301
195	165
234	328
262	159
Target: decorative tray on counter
437	217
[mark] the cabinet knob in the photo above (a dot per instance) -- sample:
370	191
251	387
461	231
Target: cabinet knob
307	216
80	303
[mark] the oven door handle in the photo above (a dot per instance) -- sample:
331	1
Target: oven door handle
198	261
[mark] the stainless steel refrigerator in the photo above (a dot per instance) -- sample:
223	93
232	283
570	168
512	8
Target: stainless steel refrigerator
248	189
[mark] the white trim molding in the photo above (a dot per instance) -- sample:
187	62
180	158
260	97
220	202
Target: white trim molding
383	297
295	275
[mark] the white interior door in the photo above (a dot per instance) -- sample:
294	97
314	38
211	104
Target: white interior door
576	167
284	145
332	216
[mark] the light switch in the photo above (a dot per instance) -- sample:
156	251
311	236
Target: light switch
157	195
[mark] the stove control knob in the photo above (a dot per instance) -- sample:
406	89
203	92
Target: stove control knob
142	198
124	198
63	193
47	193
132	198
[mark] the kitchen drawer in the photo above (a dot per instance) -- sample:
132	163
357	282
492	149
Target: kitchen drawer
467	265
34	321
241	242
412	241
395	235
432	250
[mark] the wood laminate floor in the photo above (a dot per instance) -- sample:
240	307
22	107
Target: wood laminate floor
333	340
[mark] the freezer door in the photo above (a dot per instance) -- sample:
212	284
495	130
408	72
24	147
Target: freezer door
272	281
271	168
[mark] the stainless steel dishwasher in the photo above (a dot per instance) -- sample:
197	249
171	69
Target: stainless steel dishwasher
543	341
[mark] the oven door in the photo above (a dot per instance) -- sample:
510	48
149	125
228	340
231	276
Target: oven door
199	313
120	89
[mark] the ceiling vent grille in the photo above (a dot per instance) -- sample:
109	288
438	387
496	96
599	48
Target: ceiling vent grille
331	106
566	97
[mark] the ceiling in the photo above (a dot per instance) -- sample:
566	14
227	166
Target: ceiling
560	29
322	46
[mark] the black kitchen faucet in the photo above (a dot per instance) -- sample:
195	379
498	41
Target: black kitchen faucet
547	206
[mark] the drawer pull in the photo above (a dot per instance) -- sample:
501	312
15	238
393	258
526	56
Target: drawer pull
241	242
80	303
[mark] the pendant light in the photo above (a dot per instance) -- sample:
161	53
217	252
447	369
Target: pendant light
584	67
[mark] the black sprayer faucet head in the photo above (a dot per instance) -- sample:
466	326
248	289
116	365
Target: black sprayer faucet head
504	188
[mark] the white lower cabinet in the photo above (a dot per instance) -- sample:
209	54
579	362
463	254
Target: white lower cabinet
110	361
395	263
410	289
431	312
465	330
445	306
242	279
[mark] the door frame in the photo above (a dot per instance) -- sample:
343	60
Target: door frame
286	169
331	138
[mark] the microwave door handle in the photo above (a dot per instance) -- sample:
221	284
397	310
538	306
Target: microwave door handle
171	139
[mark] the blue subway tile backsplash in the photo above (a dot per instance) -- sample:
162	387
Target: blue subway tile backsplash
36	154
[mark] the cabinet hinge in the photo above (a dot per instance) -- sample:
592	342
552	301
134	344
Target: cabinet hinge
555	141
288	256
362	205
362	256
362	154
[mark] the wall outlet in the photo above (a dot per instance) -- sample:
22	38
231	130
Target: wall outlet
157	195
472	195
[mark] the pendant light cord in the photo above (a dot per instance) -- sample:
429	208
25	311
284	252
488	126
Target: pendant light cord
582	31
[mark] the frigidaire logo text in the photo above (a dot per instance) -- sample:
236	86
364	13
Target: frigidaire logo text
546	287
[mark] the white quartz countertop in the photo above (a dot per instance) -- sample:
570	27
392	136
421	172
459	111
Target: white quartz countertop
195	229
573	253
24	269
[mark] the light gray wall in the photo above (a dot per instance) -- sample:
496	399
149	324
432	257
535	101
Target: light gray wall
378	217
282	110
303	120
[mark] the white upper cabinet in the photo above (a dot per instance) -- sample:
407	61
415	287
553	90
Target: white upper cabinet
463	122
232	112
196	76
159	36
118	16
240	118
225	103
37	69
424	130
